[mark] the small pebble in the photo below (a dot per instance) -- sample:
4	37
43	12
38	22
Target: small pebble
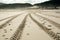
6	38
9	24
3	35
10	29
49	25
27	33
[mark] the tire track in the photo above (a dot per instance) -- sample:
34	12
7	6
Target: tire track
52	22
4	24
51	15
8	17
49	32
18	33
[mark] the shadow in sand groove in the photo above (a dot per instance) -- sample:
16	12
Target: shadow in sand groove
52	22
4	24
49	32
8	17
18	33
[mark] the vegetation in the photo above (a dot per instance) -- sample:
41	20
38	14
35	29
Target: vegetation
15	5
51	4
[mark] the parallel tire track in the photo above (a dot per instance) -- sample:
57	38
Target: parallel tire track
18	33
4	24
8	17
55	37
51	15
52	22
